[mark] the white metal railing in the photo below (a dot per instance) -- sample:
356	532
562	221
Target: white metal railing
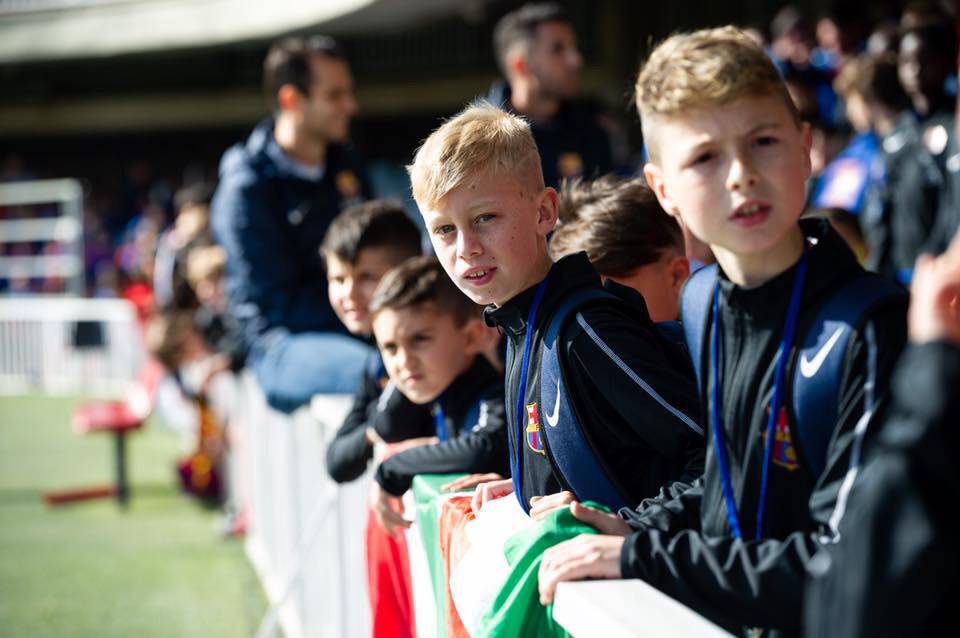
306	533
60	345
65	230
306	536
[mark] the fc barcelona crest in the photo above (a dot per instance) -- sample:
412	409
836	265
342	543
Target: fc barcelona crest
784	453
534	442
348	184
570	165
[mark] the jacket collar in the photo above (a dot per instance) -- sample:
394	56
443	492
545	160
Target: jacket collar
829	259
468	387
568	273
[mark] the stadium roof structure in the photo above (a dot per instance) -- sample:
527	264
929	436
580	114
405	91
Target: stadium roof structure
49	30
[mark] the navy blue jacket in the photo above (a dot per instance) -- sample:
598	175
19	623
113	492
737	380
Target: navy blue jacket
572	143
271	221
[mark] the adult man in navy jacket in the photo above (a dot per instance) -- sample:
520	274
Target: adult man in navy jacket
278	193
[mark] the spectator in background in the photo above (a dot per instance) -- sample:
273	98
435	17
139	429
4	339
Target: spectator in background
928	53
792	49
537	53
873	101
278	193
900	189
190	228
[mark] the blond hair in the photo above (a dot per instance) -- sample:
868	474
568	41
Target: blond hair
480	140
706	68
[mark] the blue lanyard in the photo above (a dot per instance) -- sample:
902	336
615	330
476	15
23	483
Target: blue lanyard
789	330
516	462
439	421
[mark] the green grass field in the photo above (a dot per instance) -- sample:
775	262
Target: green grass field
88	569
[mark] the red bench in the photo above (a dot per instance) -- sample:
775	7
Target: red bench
119	418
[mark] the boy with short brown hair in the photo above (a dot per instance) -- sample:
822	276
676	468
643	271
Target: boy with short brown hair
432	341
627	237
729	157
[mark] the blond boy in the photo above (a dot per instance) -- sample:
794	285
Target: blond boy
729	157
626	395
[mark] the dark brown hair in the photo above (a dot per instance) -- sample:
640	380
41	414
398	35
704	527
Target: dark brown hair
874	78
618	222
520	27
419	281
379	223
288	62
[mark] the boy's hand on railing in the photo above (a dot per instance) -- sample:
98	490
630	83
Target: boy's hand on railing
469	481
586	556
389	510
373	438
605	522
490	491
540	506
935	297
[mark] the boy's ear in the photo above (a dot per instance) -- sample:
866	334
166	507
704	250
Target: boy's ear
655	181
516	62
548	210
679	270
288	97
474	332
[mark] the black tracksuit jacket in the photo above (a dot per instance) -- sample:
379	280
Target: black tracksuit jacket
900	216
644	442
895	569
377	404
684	545
478	445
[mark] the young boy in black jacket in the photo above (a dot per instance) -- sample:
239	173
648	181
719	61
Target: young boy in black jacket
729	156
893	570
362	244
480	189
432	340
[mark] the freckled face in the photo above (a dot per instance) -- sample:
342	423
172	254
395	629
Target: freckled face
490	233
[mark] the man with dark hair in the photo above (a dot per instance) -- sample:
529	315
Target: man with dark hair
278	193
537	53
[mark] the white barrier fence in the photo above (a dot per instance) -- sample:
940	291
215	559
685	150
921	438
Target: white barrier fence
59	345
306	536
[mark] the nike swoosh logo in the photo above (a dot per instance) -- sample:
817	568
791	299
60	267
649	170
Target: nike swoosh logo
809	367
553	419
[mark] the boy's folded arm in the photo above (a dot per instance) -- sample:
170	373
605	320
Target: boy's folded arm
396	418
909	475
349	452
627	365
676	507
483	450
761	582
733	582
